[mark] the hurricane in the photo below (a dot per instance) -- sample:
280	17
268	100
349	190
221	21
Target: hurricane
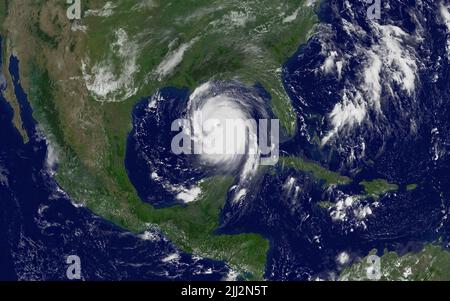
213	131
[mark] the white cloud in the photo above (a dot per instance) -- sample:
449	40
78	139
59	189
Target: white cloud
172	60
103	82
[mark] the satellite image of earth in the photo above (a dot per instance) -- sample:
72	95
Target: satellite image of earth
94	95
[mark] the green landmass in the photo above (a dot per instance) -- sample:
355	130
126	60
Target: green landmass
432	263
3	12
325	204
411	187
246	41
377	187
319	172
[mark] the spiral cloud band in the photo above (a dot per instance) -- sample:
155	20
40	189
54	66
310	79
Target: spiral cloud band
227	127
